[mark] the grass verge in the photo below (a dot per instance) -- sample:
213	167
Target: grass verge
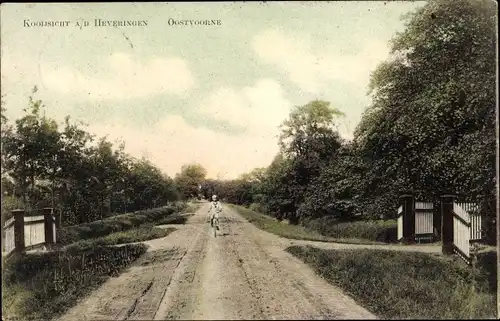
43	286
118	223
289	231
143	233
376	230
400	285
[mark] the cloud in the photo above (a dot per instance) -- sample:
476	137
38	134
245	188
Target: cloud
259	108
172	143
311	69
125	78
17	68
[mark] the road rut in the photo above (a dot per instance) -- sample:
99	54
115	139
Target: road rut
243	273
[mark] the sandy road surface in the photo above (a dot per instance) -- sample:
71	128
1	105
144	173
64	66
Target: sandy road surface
242	274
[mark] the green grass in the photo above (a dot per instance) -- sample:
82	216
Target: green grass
118	223
289	231
143	233
44	286
400	285
376	230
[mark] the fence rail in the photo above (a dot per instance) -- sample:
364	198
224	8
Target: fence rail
34	230
461	230
424	220
24	232
460	223
9	242
467	227
400	222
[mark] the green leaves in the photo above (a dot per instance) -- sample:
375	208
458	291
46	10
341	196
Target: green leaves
436	92
189	180
84	178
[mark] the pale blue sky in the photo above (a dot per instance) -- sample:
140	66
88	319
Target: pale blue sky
208	94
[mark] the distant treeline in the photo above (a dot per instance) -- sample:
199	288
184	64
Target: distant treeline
430	129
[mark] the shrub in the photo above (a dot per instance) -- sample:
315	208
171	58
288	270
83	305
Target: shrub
42	286
258	207
380	231
144	233
118	223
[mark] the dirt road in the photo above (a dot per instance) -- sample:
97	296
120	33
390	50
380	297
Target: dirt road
242	274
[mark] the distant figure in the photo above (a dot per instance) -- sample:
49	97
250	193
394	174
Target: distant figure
215	209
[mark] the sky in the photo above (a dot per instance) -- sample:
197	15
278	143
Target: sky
212	94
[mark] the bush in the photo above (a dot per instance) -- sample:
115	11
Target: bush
118	223
284	229
380	231
43	286
397	285
258	207
144	233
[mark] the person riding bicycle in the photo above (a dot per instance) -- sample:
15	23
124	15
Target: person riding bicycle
215	209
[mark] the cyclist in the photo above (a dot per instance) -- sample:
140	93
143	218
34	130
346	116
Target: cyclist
215	209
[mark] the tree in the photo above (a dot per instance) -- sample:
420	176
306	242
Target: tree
308	141
189	180
47	166
430	129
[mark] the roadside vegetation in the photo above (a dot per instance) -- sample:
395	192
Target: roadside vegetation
119	223
428	131
400	285
43	286
144	233
299	232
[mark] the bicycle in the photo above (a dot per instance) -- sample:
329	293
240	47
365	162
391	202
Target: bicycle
216	226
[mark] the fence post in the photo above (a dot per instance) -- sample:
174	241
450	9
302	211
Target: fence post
437	224
408	204
18	230
49	225
447	223
3	232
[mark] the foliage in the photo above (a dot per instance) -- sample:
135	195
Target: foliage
401	285
114	224
189	180
378	230
298	232
83	178
43	286
430	129
142	233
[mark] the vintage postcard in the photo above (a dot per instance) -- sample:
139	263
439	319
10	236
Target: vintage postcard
249	160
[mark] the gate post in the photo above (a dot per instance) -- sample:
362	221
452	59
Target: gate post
447	223
437	220
408	204
18	230
49	226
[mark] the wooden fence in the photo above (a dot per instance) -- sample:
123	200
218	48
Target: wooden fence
460	223
23	232
416	221
424	221
400	222
466	228
9	242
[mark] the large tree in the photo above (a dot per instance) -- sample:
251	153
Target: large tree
309	141
190	179
431	127
81	177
